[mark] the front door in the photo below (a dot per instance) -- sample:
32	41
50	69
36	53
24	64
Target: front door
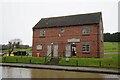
49	50
68	50
55	50
73	49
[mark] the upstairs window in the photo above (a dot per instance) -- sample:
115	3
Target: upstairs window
86	31
86	48
42	33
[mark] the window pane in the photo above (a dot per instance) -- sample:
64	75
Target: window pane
85	47
85	30
42	32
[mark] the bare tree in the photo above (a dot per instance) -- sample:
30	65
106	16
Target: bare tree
12	44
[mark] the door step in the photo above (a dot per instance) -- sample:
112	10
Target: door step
54	61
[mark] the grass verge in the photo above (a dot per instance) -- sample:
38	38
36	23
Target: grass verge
111	46
109	61
24	59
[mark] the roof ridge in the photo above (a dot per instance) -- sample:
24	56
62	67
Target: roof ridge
72	15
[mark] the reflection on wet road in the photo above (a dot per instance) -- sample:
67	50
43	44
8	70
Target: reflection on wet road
12	72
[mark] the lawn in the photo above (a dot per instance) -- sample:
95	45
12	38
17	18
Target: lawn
108	61
111	46
28	50
23	59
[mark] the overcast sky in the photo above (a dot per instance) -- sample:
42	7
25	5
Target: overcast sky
18	17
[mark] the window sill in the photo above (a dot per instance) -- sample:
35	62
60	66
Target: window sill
86	34
86	52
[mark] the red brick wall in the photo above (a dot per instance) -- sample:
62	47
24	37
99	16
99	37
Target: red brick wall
52	35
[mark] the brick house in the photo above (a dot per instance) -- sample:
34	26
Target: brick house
69	36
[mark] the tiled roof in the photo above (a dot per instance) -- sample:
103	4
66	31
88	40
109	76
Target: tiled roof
72	20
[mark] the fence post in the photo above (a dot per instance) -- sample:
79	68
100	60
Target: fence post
99	63
76	62
45	59
4	59
16	60
30	60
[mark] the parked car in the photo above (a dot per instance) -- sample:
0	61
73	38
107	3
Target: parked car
20	53
2	54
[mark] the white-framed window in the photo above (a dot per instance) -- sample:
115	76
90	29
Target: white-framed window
85	30
86	47
42	33
62	30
